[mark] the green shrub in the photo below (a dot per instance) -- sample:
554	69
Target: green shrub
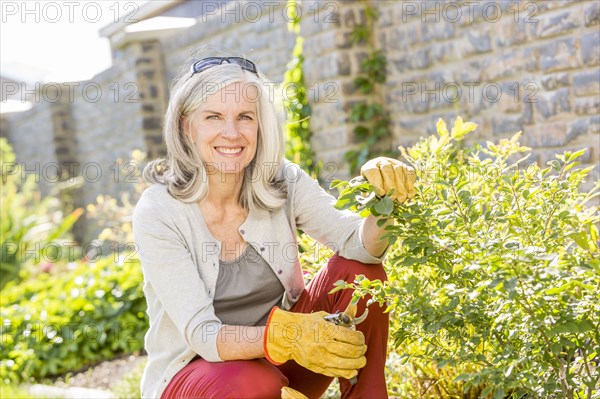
496	267
56	324
28	223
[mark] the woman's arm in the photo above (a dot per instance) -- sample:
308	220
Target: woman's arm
240	342
371	236
315	214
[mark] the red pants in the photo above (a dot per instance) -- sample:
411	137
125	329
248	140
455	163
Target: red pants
260	379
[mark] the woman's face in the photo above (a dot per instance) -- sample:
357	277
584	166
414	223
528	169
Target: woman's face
225	129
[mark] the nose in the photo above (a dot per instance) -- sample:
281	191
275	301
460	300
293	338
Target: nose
230	129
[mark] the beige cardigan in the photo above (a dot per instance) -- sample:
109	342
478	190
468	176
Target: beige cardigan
180	262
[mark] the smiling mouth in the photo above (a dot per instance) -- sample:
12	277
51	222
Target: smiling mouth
229	151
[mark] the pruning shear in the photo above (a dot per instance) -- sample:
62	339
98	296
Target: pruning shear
348	319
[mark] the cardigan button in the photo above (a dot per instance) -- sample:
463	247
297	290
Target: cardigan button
280	271
242	232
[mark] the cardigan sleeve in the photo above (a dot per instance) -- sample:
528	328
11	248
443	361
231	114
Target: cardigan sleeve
316	215
169	269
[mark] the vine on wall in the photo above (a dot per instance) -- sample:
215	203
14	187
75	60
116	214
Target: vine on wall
372	131
295	101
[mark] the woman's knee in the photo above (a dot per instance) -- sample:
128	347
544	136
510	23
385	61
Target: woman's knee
236	379
256	379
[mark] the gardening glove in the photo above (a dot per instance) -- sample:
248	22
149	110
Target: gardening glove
314	343
289	393
387	173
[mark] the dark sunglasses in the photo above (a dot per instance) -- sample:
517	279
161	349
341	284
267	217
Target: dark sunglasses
210	62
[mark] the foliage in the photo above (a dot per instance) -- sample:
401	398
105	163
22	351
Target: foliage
372	127
55	324
295	101
32	228
496	266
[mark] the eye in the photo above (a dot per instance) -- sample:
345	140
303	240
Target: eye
246	117
214	117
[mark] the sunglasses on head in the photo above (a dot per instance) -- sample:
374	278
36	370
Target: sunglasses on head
210	62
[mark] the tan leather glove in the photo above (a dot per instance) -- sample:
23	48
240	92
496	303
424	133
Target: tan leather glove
289	393
314	343
386	173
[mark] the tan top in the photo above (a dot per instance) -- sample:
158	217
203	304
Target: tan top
246	290
180	262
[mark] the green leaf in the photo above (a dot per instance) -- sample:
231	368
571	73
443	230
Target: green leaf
581	239
385	206
576	155
486	391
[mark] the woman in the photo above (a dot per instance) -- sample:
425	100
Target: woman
216	232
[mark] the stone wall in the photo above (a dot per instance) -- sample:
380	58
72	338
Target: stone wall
30	135
531	66
506	65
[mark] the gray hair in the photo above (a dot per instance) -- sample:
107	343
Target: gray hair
184	172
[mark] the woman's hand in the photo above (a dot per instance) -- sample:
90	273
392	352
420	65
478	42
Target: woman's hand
314	343
386	173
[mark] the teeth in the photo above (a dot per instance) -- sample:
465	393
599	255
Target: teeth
229	150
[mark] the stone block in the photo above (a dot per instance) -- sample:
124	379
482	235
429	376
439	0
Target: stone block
349	88
472	71
591	13
442	52
352	17
403	37
555	81
553	103
594	123
417	105
577	128
504	124
435	31
409	62
527	114
473	101
150	123
511	32
386	15
509	101
560	55
557	23
342	62
509	63
587	105
531	59
543	6
587	83
590	48
330	138
546	135
399	64
476	42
